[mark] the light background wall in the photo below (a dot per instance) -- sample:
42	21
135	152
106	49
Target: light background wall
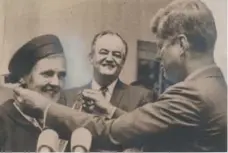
77	21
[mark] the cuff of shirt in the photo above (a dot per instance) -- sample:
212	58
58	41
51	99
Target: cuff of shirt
45	115
111	112
113	140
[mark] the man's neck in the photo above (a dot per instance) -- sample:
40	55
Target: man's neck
104	80
197	64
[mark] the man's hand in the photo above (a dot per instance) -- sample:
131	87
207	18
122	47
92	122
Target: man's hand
32	102
99	101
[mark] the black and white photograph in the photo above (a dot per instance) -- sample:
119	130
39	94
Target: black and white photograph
113	76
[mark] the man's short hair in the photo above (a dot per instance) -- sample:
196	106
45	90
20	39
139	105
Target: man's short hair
108	32
189	17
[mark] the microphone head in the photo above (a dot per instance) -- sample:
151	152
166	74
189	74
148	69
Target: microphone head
48	139
81	137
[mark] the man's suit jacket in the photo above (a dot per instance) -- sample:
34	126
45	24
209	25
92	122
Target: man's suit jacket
188	116
125	97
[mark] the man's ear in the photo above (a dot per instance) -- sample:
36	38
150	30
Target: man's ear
124	59
23	81
183	42
90	57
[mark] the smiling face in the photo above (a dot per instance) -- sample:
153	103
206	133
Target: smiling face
47	76
108	55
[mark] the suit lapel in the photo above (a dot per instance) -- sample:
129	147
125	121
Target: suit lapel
118	93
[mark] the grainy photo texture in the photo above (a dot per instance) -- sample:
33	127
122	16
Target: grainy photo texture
113	76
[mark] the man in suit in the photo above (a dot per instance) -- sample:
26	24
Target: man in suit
39	65
190	115
108	54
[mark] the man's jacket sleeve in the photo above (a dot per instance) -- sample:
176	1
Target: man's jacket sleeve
177	108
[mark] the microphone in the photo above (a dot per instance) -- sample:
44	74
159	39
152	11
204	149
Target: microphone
48	141
81	140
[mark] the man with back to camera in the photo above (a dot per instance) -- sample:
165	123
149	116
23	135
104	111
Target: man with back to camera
190	115
39	65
